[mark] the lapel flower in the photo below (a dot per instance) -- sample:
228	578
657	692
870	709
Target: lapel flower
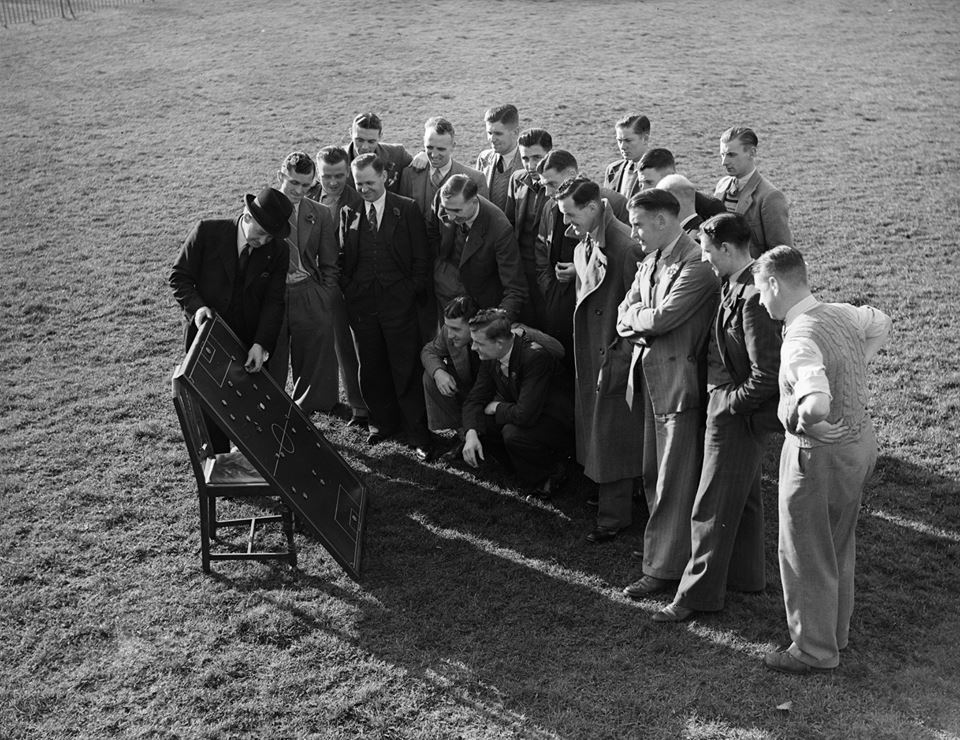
311	219
672	271
396	212
349	219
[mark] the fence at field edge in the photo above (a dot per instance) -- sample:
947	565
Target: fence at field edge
31	11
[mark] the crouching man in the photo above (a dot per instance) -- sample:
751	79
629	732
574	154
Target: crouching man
518	404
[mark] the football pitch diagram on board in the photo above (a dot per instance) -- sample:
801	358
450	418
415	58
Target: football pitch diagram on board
279	440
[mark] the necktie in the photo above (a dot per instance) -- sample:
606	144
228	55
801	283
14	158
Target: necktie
734	189
372	218
463	229
588	250
435	177
244	258
499	164
653	272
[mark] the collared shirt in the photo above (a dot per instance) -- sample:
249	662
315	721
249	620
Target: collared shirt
664	253
242	238
469	221
742	181
380	204
505	360
687	220
735	277
507	158
442	170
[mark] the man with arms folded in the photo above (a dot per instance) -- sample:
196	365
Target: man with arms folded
667	314
609	433
742	365
556	274
332	190
829	453
237	268
745	191
476	251
313	293
525	203
385	265
633	133
519	403
502	159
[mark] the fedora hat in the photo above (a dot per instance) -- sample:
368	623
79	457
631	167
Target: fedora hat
272	210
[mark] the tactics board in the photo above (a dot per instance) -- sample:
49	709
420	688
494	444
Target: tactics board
279	440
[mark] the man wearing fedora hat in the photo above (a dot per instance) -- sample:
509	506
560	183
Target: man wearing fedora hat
238	268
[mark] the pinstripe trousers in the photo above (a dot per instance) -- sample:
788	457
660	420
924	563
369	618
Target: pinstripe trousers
820	492
672	455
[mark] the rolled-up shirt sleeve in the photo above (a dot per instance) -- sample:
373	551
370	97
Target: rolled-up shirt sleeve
802	364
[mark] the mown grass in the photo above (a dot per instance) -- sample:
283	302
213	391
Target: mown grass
480	614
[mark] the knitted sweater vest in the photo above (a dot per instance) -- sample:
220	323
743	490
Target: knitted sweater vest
835	332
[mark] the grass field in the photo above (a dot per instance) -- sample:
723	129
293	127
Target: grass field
480	615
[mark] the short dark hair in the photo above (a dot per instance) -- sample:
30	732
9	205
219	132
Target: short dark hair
298	162
658	159
784	263
507	114
731	228
493	322
459	185
534	137
368	120
461	307
439	125
656	200
368	160
640	124
744	134
559	160
333	155
582	189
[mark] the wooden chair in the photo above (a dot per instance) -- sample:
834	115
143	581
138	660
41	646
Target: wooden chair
226	475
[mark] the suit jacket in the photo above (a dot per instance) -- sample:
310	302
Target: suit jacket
615	172
609	434
205	272
395	158
317	242
746	341
534	388
669	322
440	354
416	184
707	206
488	158
765	209
489	268
402	228
519	192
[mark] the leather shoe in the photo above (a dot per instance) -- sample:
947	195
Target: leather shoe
598	535
425	452
358	421
647	586
375	438
783	662
673	613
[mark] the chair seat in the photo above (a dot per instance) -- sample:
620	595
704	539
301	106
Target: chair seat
232	468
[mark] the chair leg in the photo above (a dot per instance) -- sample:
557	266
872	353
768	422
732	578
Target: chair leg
288	528
205	508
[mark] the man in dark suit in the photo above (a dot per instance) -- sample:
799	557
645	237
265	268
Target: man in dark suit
667	314
742	366
475	250
518	401
525	201
502	159
633	134
385	265
307	339
747	192
365	133
439	142
332	190
656	164
556	274
609	432
450	368
237	268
